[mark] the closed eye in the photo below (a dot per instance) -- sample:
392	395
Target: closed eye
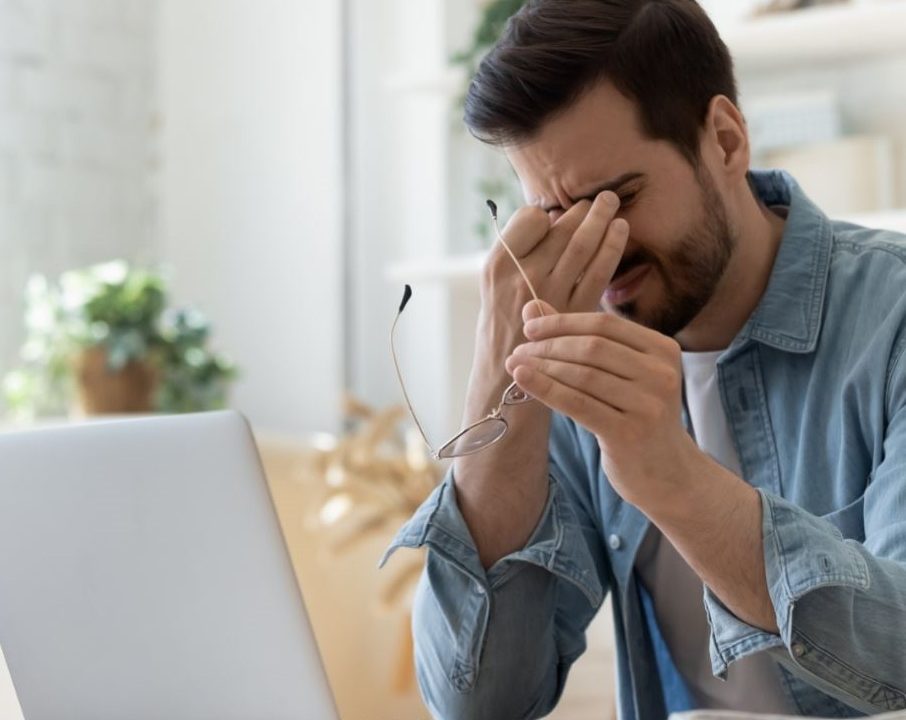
626	199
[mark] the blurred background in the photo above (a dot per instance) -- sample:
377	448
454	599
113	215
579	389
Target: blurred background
209	203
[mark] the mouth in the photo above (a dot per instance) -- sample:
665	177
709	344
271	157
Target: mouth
626	283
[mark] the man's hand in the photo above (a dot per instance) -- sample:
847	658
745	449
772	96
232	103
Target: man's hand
622	382
502	490
569	263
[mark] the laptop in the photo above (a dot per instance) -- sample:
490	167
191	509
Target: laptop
143	575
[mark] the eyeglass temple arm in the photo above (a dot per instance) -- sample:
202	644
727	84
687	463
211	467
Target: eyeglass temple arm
407	295
492	206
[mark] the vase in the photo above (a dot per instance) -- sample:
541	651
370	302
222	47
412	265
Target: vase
101	391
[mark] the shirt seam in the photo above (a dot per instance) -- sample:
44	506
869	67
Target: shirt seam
899	352
767	426
867	680
859	248
821	253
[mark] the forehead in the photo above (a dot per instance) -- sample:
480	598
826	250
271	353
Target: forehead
597	138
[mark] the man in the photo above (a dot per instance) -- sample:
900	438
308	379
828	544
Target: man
723	448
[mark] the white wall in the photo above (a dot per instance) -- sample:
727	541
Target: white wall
405	144
251	191
77	141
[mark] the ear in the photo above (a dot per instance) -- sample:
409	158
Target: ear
727	138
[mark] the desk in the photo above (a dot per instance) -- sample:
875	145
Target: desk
9	703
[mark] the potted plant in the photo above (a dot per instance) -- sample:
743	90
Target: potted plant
102	340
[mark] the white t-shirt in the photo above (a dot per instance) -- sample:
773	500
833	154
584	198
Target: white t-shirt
753	684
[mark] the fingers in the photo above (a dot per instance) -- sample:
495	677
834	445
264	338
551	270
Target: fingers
527	227
584	409
587	238
592	351
608	389
538	309
549	252
605	325
602	266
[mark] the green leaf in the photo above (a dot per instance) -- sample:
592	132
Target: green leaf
123	310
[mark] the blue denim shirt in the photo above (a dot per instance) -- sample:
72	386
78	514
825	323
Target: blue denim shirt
814	388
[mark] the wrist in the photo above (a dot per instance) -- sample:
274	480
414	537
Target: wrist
701	487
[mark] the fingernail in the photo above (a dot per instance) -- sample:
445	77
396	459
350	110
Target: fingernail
612	199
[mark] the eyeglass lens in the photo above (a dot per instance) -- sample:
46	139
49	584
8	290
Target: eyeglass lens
473	439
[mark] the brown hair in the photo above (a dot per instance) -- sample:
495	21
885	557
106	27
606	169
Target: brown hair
666	55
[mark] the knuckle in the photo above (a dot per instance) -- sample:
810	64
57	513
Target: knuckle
491	265
654	410
671	347
498	270
529	219
605	321
598	346
546	384
587	376
530	214
590	346
670	380
580	402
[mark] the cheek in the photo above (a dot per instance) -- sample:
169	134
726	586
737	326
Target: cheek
655	236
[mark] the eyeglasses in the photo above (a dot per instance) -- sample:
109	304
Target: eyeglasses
491	428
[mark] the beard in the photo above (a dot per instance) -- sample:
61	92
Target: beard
691	272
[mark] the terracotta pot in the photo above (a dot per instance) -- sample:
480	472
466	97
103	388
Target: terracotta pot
102	392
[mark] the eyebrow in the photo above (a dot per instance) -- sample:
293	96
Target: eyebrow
611	185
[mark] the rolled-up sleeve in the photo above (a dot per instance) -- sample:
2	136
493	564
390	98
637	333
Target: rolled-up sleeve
499	643
840	604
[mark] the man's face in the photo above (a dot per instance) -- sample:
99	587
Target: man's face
680	240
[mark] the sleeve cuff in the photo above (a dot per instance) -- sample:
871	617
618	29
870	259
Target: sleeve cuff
802	553
557	544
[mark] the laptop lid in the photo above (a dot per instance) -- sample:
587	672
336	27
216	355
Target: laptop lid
143	574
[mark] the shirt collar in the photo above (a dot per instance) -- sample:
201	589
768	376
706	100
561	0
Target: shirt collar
788	316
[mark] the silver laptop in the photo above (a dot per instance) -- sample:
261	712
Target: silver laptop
143	574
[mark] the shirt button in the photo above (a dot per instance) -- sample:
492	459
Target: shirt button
798	649
615	542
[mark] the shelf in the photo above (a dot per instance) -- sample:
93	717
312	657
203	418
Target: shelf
465	269
870	28
815	35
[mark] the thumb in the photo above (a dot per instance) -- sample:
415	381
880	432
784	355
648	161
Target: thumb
536	308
